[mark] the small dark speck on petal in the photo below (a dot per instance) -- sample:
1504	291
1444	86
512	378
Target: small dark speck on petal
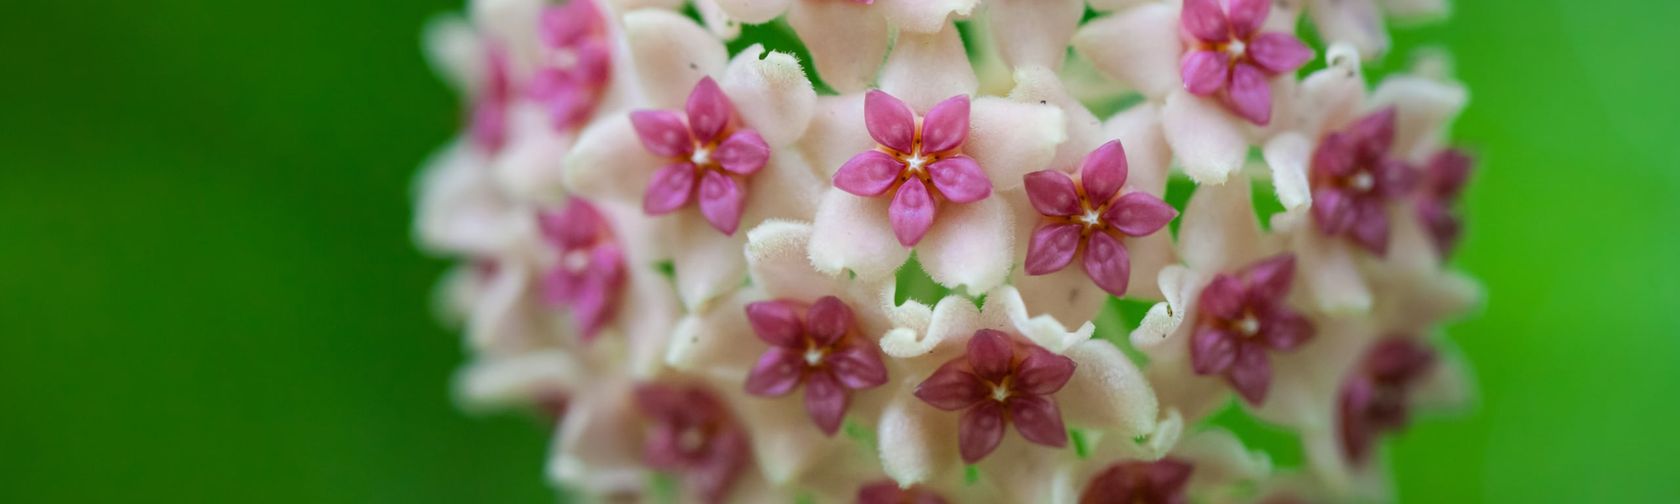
692	66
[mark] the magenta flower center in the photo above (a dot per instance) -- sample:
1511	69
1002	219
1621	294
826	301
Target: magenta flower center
690	433
709	158
1000	382
918	160
1241	319
1088	218
1227	55
1354	177
577	62
589	273
1375	398
816	347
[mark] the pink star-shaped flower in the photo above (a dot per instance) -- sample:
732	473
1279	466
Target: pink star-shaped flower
1243	317
1443	181
577	61
488	126
817	348
918	160
1375	399
1227	54
691	433
1354	177
709	157
1159	482
998	382
1089	216
590	275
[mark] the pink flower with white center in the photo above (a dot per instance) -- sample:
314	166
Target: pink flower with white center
1376	398
1242	318
1089	217
488	126
576	62
710	157
888	492
1158	482
1228	55
589	277
999	382
918	160
691	433
1444	177
1354	177
815	346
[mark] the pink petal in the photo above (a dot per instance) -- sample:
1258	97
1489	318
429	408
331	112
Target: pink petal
1279	52
1052	248
709	110
670	189
1249	94
577	226
594	64
1332	210
1139	214
1205	72
662	132
1037	419
1250	374
828	320
826	401
777	323
1370	227
1334	156
1271	278
1051	193
858	367
946	125
1169	475
1104	172
743	153
1211	350
911	212
1375	132
778	372
1205	20
889	120
991	354
1107	263
721	200
870	173
1246	16
952	388
1043	372
1284	329
960	179
1222	298
560	26
979	431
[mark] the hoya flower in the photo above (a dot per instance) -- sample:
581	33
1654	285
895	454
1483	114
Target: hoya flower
1443	181
590	275
1243	318
724	164
1208	466
815	347
1218	71
1362	23
969	373
1373	400
1087	218
577	57
888	492
847	38
692	434
998	139
1354	178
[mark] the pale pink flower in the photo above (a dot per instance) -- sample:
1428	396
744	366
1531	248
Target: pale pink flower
1228	54
590	276
577	57
708	158
692	434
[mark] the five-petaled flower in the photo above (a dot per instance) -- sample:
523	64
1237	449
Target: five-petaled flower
1242	317
1443	181
691	433
1089	216
998	382
888	492
815	346
589	276
709	157
1354	176
1158	482
577	61
918	160
1226	51
1375	398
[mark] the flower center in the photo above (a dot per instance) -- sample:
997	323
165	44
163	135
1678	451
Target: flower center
1248	325
691	440
702	156
563	58
1000	392
916	163
574	260
814	356
1236	49
1091	218
1362	181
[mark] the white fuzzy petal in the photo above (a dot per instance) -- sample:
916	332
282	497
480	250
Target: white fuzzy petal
1034	32
926	68
969	245
853	233
1138	47
1010	139
671	54
1289	155
771	94
847	41
1209	140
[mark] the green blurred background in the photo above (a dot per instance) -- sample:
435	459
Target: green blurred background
208	290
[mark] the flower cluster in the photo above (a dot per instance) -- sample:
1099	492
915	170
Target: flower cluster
691	261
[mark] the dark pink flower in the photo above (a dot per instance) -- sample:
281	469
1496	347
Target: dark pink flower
1353	179
919	162
1088	216
691	434
489	123
577	61
1227	54
1158	482
1241	318
998	382
818	347
1375	398
1443	181
888	492
589	276
710	158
